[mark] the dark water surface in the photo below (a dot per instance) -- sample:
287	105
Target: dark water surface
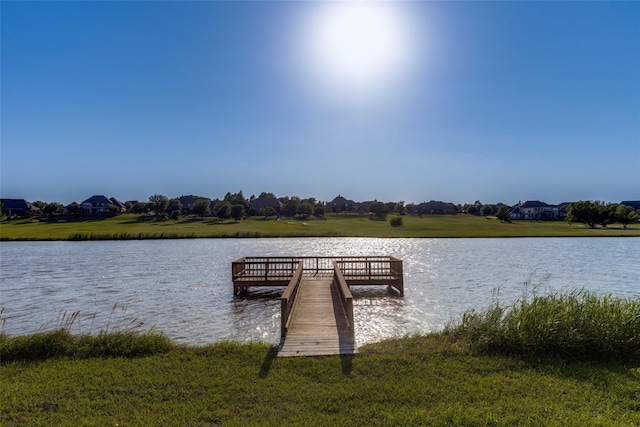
183	287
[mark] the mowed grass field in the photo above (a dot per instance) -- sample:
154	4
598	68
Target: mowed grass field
414	381
131	226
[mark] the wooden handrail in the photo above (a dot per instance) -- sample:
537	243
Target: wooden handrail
288	299
345	295
356	270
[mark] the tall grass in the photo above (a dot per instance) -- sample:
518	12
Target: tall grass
129	236
574	326
181	235
128	341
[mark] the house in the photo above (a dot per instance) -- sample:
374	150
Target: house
340	204
435	207
362	207
72	208
514	212
96	205
186	203
118	204
537	210
261	203
18	207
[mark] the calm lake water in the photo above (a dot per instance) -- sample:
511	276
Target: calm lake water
183	287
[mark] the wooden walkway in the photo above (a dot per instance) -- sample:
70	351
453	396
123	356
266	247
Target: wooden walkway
317	304
319	325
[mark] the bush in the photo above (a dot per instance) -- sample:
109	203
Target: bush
395	221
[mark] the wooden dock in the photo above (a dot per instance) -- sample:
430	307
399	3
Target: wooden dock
319	325
317	304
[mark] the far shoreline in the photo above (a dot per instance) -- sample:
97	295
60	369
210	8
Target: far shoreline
139	227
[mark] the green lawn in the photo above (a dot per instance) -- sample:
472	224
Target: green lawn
137	227
556	360
409	381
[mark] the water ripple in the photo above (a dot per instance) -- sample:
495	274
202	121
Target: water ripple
183	287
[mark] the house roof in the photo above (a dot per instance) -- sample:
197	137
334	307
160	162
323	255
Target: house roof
341	201
362	205
18	204
263	202
436	205
534	204
186	201
98	200
116	202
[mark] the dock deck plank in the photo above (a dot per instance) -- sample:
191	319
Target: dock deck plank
319	326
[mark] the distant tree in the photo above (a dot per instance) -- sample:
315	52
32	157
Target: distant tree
53	208
74	208
472	210
503	214
237	211
487	210
158	203
400	207
174	205
269	211
223	209
304	209
236	199
290	206
585	212
626	215
201	207
411	208
2	215
607	213
140	208
378	209
319	210
311	200
390	206
264	195
128	206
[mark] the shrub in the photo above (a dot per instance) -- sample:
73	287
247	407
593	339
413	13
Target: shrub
395	221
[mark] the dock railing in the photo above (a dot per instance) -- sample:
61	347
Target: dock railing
278	271
288	300
345	296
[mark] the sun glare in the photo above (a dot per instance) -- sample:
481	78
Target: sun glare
357	49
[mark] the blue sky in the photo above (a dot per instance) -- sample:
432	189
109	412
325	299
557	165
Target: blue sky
490	101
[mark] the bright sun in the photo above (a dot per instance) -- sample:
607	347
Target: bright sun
357	48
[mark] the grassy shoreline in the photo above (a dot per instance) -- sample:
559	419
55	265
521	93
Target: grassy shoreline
137	227
410	381
446	378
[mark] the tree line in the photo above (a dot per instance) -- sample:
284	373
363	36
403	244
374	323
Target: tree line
594	213
233	205
237	206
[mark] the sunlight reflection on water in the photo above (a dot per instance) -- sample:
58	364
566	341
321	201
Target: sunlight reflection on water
183	287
